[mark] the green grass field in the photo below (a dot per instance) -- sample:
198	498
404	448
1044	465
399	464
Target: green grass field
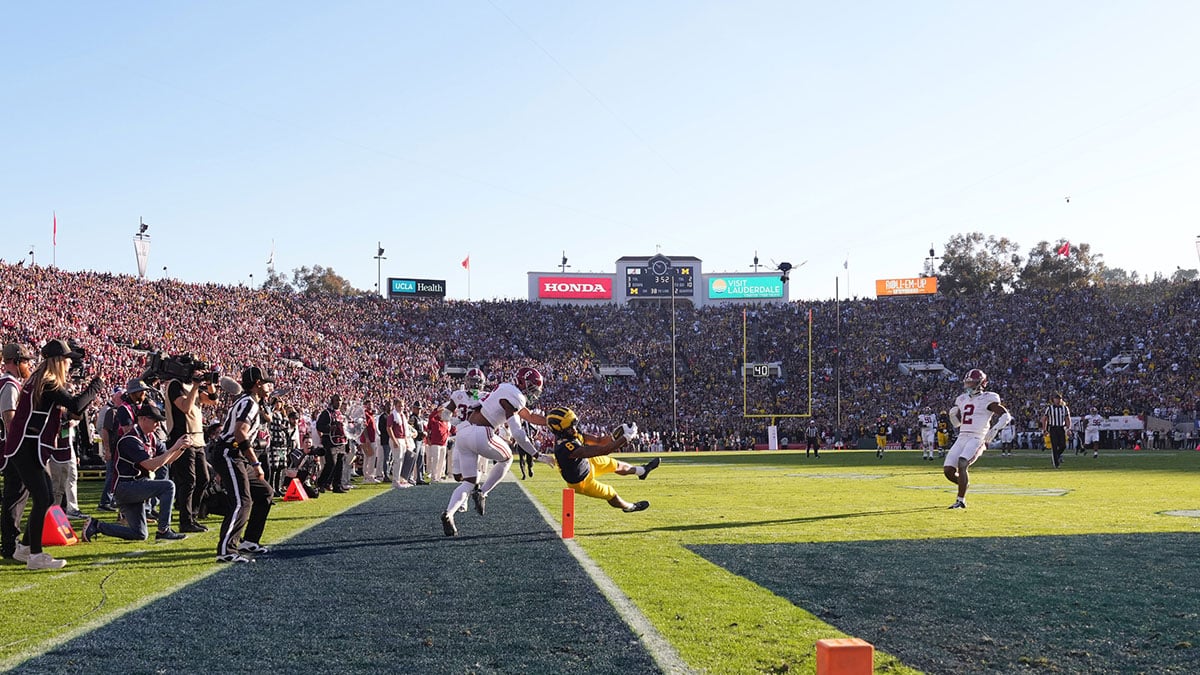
744	560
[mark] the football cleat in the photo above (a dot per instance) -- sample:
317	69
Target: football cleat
480	500
958	504
649	466
636	506
448	525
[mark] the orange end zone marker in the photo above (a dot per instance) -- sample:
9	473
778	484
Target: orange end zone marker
57	530
568	514
845	656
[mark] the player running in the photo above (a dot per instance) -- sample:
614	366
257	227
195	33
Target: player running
928	423
481	436
972	414
582	457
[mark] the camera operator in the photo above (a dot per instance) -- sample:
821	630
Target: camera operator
108	448
247	495
139	456
16	370
190	471
331	425
34	430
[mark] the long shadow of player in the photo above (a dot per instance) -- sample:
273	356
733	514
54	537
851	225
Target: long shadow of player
757	523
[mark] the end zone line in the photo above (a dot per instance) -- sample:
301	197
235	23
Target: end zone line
660	650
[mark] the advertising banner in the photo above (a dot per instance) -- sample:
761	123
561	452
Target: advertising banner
914	286
416	288
575	288
734	288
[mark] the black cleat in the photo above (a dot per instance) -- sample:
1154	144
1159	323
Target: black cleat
958	504
448	525
637	506
480	500
648	466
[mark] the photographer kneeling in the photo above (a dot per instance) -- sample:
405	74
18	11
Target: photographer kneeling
139	455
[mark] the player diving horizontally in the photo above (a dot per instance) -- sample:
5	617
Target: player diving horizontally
972	414
582	457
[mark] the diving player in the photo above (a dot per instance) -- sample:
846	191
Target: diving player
582	457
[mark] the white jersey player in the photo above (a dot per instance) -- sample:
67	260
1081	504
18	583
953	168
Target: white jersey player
481	436
1091	431
972	414
928	423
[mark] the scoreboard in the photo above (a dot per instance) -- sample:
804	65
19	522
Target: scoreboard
654	279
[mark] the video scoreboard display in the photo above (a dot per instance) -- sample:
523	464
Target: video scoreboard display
654	279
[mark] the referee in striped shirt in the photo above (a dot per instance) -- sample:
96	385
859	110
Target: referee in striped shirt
1056	420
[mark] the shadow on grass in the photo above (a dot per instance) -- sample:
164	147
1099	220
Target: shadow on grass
760	523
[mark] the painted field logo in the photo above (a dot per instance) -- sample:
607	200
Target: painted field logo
575	288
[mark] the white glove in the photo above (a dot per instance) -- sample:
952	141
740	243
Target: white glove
625	431
546	458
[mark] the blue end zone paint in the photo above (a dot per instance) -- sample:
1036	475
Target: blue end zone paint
380	589
1089	603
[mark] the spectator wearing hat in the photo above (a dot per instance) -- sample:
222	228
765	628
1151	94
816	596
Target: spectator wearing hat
247	494
33	432
108	447
139	455
15	369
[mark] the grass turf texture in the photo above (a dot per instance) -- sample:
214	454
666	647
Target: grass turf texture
378	588
720	621
723	622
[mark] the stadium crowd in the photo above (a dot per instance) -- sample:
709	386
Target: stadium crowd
367	348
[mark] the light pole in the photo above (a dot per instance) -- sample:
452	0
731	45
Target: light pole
32	260
379	258
252	280
674	376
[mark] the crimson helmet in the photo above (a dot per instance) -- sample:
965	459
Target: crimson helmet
473	379
529	381
975	380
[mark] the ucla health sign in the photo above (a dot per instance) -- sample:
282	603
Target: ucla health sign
744	288
416	288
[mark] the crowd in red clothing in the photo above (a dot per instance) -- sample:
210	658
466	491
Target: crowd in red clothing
367	348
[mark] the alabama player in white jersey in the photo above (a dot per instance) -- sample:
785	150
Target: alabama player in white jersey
972	414
481	436
1091	431
928	422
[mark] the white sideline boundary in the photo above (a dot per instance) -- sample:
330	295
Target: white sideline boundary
660	650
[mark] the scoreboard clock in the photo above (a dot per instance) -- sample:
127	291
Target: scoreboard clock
654	279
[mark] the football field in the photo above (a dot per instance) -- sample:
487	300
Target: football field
742	562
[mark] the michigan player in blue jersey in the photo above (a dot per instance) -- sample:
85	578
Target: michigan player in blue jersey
583	457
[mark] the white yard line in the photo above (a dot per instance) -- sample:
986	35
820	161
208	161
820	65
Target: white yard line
660	650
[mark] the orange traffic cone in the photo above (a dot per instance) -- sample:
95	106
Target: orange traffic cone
295	492
1137	446
58	530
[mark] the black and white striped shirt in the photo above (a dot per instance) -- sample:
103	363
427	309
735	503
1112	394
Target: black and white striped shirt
245	409
1057	415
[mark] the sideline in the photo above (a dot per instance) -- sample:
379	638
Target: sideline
659	649
59	639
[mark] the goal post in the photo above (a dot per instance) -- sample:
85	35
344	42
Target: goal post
763	369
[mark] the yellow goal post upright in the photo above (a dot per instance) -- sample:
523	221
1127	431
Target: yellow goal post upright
746	363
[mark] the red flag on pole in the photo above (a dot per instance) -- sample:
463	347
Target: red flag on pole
55	236
466	263
1065	249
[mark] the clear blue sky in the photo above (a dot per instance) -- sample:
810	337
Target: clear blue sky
512	131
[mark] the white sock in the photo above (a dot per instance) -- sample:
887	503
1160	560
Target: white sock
639	471
495	475
460	496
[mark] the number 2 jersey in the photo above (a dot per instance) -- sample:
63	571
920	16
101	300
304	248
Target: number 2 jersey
973	409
